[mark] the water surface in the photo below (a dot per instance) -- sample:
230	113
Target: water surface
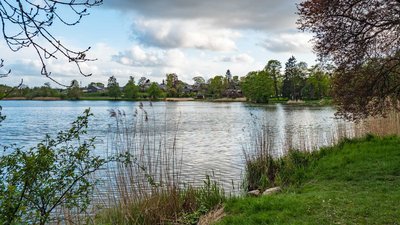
211	136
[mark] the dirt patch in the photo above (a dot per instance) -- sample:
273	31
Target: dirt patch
15	98
295	102
178	99
47	98
229	100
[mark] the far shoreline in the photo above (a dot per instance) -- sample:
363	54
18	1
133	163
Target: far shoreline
322	102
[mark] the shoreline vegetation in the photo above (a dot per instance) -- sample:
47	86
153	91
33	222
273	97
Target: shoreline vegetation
321	102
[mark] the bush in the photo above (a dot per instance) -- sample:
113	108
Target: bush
55	173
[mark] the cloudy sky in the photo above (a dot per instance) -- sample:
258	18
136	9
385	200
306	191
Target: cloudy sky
153	37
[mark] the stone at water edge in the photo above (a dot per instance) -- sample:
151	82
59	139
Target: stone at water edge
254	193
271	191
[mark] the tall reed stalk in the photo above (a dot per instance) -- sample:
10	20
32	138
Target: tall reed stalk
147	188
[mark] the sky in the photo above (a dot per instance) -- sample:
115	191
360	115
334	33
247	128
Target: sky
152	38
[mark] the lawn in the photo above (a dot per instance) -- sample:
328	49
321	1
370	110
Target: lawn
355	182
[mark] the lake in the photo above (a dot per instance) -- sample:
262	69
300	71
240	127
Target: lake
210	136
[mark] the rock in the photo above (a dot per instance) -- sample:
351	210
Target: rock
254	193
271	191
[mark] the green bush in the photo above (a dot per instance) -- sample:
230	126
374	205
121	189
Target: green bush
55	173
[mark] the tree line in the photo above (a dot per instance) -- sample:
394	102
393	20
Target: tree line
296	81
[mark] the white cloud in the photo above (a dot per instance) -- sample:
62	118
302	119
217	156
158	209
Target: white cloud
241	58
196	34
293	43
139	57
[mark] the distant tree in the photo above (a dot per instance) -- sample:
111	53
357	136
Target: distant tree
130	89
154	91
288	88
172	85
200	85
43	91
300	78
198	81
216	86
294	79
99	84
273	68
361	37
317	84
257	86
74	91
113	87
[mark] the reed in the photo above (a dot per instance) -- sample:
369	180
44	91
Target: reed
147	188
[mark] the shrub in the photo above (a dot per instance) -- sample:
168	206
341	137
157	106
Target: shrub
55	173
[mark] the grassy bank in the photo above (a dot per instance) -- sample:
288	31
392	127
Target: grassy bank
355	182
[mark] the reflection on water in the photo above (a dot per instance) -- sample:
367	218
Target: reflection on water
211	136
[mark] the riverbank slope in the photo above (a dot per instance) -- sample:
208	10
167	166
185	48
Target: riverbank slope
355	182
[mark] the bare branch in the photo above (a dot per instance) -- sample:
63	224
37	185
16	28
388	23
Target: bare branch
26	22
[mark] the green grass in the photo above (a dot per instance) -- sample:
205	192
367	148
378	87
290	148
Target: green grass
355	182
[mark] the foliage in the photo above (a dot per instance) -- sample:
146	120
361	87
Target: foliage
216	86
294	79
43	91
130	89
113	87
74	91
198	81
372	89
330	183
361	38
317	85
258	86
173	85
273	68
154	91
35	182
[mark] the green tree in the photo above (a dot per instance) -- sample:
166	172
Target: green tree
198	81
288	78
172	85
216	86
130	89
74	91
113	87
154	91
317	84
258	86
273	68
294	78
